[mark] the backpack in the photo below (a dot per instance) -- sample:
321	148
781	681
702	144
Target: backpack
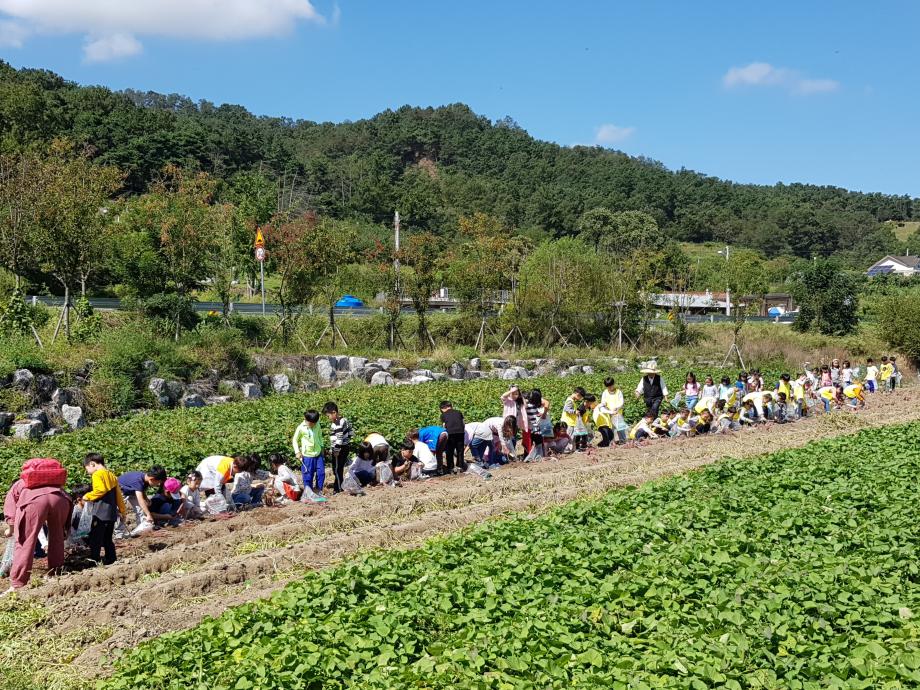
39	472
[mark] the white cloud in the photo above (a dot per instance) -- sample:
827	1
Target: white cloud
612	134
765	74
111	47
111	26
12	34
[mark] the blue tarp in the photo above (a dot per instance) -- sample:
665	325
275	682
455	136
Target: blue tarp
349	302
775	311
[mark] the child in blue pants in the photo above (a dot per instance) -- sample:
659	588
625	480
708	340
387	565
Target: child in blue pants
308	447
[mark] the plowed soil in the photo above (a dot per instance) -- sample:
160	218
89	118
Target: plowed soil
171	578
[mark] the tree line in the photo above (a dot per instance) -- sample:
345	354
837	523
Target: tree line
436	165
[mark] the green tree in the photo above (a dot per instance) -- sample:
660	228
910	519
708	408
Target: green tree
745	277
69	236
619	233
330	255
422	255
899	324
827	299
290	240
179	222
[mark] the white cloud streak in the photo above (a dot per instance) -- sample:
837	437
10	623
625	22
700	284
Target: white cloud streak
612	134
112	26
111	47
12	34
765	74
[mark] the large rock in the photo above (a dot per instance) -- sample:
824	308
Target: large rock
73	415
369	372
512	373
218	400
384	363
157	386
6	421
175	390
382	378
587	369
39	416
400	373
437	376
421	379
28	431
456	370
22	379
53	431
423	372
475	364
251	391
192	400
341	362
60	397
474	375
325	372
356	363
281	383
498	363
44	386
149	367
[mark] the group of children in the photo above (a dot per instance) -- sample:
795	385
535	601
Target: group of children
525	431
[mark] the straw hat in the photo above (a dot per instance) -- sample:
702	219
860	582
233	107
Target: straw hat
649	368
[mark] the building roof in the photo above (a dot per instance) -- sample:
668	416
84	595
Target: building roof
905	261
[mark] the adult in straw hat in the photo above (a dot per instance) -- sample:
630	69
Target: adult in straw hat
651	387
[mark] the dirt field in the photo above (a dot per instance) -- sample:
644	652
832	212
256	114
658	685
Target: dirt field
171	578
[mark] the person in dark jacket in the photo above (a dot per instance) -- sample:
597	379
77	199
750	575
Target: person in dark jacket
652	389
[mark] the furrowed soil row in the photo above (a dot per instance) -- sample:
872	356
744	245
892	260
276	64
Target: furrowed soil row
204	568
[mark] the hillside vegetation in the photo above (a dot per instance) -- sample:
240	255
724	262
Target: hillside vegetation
436	165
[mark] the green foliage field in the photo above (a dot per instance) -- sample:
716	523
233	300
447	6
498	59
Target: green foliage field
797	570
179	439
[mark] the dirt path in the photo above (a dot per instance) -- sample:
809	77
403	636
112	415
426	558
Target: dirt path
170	579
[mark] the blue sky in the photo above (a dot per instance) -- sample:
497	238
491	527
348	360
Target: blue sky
819	91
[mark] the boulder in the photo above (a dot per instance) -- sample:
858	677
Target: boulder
400	373
149	367
39	416
6	421
192	400
325	371
421	379
53	431
229	385
28	431
251	391
587	369
341	362
475	364
469	375
437	376
574	369
382	378
456	370
356	363
280	383
44	386
218	400
384	363
73	415
512	373
498	363
174	391
22	379
265	383
60	397
157	386
309	386
423	372
369	372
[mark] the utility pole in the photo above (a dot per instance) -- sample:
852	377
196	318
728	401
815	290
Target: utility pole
260	257
728	296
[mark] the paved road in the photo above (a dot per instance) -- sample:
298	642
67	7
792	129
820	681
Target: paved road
248	308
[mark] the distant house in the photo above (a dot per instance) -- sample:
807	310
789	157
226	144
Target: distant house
897	265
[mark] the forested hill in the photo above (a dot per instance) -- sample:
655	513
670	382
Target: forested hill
435	164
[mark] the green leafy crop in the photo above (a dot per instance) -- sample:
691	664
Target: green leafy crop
179	439
793	570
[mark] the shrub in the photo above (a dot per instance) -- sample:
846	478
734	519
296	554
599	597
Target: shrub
214	346
21	352
12	400
899	325
109	395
